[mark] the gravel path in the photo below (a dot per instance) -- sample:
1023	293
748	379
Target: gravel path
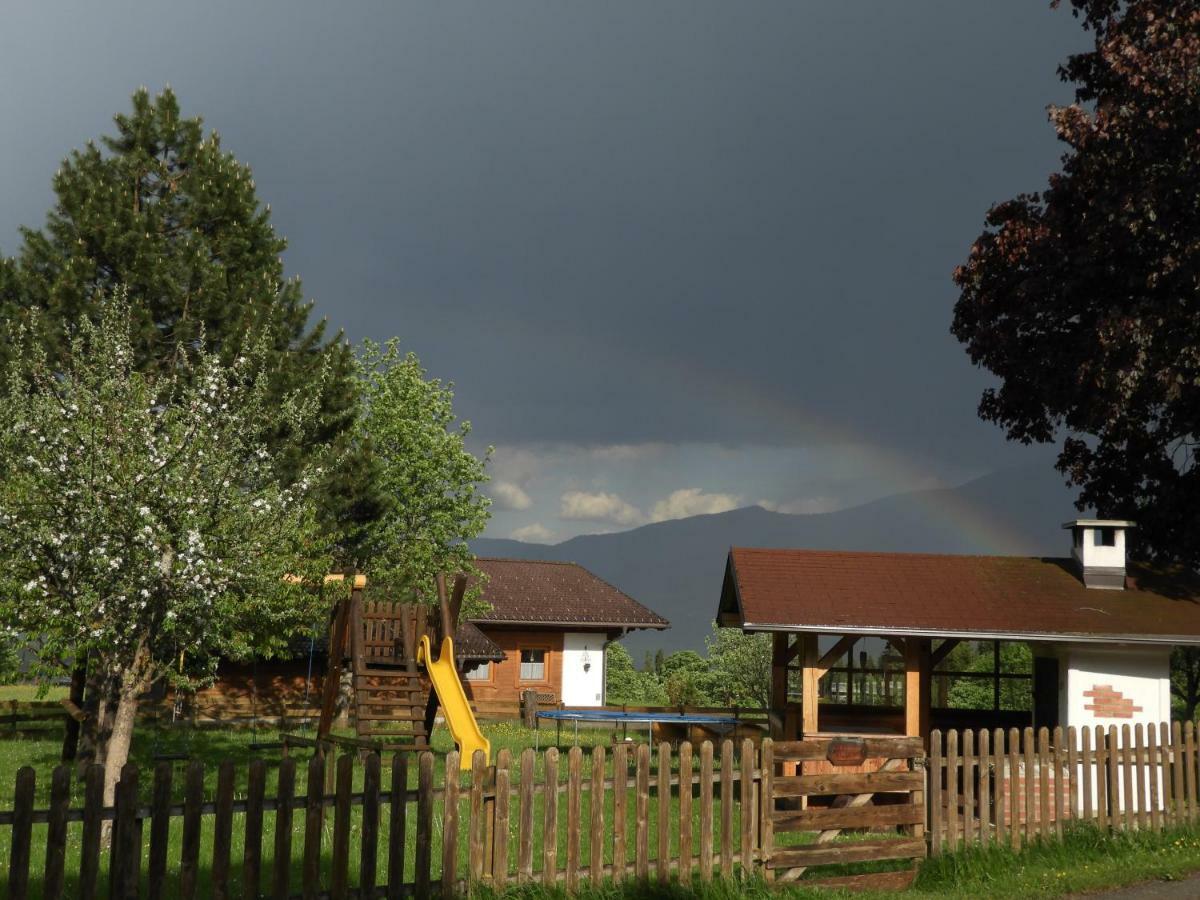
1188	889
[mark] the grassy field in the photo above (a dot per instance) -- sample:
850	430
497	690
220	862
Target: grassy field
30	692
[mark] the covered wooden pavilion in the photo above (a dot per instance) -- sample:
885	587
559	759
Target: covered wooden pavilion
1110	641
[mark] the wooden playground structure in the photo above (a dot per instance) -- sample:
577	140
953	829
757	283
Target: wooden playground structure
378	643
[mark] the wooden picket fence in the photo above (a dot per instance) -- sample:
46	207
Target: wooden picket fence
1015	788
664	813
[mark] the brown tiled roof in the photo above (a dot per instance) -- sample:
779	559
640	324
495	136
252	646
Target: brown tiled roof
471	644
989	596
529	592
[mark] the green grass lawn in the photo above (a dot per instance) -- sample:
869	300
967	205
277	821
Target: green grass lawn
31	692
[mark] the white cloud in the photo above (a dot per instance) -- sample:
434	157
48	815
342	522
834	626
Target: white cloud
599	507
533	534
805	506
508	495
692	502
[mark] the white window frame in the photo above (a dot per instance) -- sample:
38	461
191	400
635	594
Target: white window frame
527	667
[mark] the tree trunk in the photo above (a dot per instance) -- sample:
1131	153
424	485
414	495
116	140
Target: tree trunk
119	740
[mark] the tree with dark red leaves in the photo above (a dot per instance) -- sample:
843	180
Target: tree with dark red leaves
1084	299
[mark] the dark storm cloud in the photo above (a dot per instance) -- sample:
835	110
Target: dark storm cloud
607	222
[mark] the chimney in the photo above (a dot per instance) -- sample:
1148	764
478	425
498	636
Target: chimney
1098	548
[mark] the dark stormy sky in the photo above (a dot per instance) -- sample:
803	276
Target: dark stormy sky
677	257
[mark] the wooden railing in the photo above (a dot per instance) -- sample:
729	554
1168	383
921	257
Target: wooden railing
1014	787
395	831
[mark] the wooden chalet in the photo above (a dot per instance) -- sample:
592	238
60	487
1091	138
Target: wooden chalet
552	621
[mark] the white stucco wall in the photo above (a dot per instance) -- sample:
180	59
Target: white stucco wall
1140	675
583	686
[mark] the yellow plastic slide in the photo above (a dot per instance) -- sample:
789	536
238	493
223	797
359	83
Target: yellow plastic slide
453	699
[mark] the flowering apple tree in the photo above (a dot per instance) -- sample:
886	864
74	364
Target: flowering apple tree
144	527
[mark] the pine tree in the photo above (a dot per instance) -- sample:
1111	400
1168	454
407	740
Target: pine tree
160	211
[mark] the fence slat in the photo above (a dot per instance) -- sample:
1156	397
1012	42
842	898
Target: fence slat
574	817
727	808
596	832
748	819
314	814
1168	797
160	835
1031	783
127	838
1045	826
424	851
281	868
222	829
952	793
22	833
450	825
766	804
985	787
1141	764
1155	770
1059	787
1103	810
1130	798
936	769
501	813
193	807
1015	792
397	826
706	810
475	826
1000	794
620	802
1072	773
1177	774
663	813
550	818
642	813
686	789
525	823
1189	769
1117	802
1085	771
56	833
252	853
339	884
369	857
968	787
89	851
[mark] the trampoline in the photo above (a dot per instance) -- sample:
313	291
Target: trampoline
625	719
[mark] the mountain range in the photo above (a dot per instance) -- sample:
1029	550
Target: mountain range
676	567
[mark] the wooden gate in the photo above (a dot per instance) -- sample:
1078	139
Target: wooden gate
844	801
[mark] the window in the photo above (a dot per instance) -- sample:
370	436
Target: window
1105	537
533	665
482	672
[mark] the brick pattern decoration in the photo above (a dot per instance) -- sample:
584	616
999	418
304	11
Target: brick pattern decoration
1108	703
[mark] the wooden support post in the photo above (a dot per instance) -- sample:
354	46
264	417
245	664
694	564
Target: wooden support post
779	684
810	690
917	683
333	670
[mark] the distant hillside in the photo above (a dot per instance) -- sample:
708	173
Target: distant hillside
675	567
